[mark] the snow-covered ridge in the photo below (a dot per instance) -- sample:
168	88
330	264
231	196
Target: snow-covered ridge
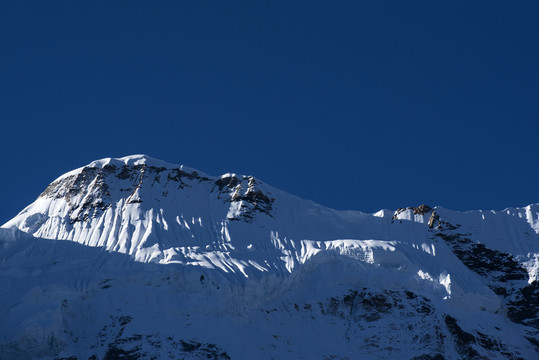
163	212
131	160
249	246
160	212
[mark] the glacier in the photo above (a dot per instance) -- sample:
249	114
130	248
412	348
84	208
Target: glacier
135	257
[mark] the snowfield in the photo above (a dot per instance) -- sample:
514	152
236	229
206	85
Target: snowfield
139	258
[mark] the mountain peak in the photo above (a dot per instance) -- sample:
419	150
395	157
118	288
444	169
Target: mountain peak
269	256
130	161
139	198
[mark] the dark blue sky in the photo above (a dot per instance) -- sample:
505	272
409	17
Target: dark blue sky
355	105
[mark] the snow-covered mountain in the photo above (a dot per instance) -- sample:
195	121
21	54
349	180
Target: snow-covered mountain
162	261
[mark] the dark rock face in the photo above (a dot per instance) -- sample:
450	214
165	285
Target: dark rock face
94	189
434	218
429	357
129	348
418	210
464	340
244	194
421	209
503	274
433	331
97	182
523	308
90	183
227	182
258	201
139	346
498	266
180	177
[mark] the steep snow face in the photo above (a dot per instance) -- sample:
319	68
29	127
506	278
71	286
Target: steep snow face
159	212
234	237
144	207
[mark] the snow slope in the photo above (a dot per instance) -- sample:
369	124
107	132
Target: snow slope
161	260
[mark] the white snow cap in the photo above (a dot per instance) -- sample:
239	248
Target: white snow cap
131	160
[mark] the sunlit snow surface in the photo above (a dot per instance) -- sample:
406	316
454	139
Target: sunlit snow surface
165	261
